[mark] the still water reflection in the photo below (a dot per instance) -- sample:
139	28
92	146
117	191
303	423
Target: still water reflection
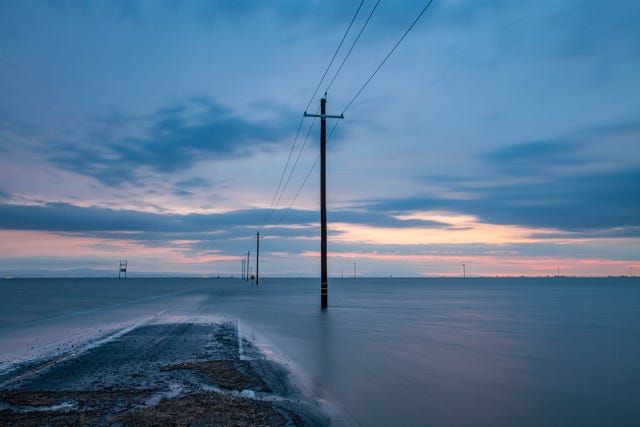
394	351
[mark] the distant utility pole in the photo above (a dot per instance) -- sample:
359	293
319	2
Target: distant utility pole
354	269
247	275
123	269
464	271
323	197
257	237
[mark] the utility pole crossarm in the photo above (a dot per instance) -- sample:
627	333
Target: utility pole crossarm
324	116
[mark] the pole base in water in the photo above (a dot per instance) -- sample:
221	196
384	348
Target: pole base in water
324	292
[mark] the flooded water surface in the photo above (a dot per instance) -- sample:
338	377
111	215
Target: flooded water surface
552	351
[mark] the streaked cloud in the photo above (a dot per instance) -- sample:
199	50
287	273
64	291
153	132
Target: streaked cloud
173	140
503	135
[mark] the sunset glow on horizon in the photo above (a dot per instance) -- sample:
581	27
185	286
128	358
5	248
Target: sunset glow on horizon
169	134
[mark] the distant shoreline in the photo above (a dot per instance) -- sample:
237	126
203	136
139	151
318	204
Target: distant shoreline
333	278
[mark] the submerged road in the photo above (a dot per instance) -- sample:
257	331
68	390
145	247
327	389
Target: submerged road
181	373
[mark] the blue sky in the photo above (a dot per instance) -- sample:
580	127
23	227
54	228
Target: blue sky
502	135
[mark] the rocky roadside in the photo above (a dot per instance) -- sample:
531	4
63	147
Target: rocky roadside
181	374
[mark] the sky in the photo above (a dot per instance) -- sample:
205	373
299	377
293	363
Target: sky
500	135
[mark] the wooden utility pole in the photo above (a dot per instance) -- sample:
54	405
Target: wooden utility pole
257	237
323	197
247	275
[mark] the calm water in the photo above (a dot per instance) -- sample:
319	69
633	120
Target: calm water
557	351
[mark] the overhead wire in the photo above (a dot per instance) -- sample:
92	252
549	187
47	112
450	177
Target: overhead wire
284	171
274	203
388	55
366	83
355	41
295	197
303	183
333	58
296	161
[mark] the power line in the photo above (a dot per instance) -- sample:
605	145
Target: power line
388	55
295	197
304	182
353	45
284	171
315	92
274	203
295	164
366	83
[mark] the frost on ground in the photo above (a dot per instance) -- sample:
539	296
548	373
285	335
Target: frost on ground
161	374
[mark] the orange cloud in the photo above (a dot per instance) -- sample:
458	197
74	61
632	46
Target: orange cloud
458	229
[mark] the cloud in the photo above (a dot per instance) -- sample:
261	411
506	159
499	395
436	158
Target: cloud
101	231
184	187
608	233
64	217
537	153
619	128
587	182
193	183
537	158
122	9
502	72
583	201
591	28
230	232
562	29
287	14
117	10
378	219
175	140
555	183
